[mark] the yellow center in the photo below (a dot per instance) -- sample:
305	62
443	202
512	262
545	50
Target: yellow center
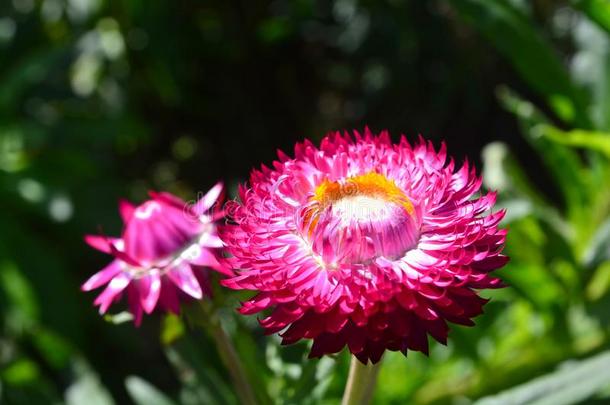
365	187
372	185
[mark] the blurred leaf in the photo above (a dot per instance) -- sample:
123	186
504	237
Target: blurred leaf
22	371
194	368
274	30
536	284
597	10
25	73
590	66
595	194
314	381
600	282
87	389
172	328
502	172
596	141
563	163
599	246
516	209
117	319
569	275
573	382
20	295
514	35
253	362
144	393
53	347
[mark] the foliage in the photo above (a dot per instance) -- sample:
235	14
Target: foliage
103	99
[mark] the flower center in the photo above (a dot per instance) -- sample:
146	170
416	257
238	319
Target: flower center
359	219
372	184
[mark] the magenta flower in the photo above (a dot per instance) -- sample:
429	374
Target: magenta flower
163	254
365	244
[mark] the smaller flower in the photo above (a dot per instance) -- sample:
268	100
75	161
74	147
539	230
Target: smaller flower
162	256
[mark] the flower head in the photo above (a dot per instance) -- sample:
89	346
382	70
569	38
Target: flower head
365	244
162	255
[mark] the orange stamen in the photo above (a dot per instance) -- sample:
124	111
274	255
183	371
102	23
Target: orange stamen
371	184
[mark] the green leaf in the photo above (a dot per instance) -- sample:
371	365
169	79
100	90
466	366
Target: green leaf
600	282
21	296
196	369
25	73
502	172
590	69
314	382
593	187
87	389
172	329
599	246
592	140
573	382
596	10
514	35
23	371
144	393
117	319
563	163
56	350
536	284
274	30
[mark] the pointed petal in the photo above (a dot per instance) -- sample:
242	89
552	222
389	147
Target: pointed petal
116	286
103	276
101	243
134	304
126	209
182	276
150	289
169	297
168	198
208	200
123	256
208	259
211	240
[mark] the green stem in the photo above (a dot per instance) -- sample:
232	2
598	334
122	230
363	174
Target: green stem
229	355
360	383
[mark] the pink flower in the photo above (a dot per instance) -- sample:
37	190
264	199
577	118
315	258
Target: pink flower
365	244
162	256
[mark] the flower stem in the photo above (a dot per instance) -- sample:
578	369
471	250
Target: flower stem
360	383
229	356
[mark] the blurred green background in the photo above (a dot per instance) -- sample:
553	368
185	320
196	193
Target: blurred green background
105	99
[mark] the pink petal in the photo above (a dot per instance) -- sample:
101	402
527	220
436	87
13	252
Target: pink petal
168	198
101	243
208	259
134	304
169	299
123	256
102	277
126	210
211	240
376	274
150	289
182	276
208	200
116	286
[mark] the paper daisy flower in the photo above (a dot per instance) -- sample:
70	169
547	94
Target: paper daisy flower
365	244
162	256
